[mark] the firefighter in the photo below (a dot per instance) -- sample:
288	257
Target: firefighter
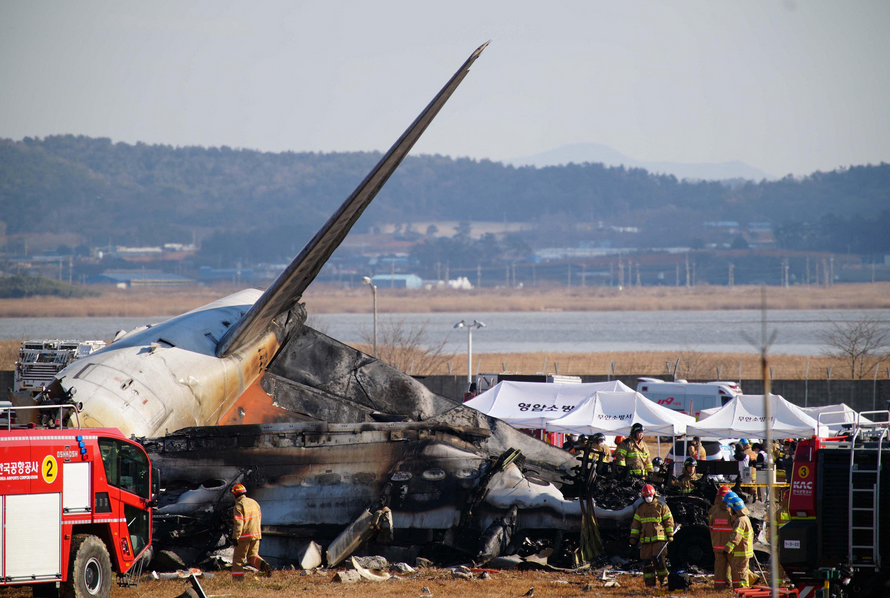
746	448
696	450
688	482
740	547
659	473
598	448
247	522
633	454
652	528
721	529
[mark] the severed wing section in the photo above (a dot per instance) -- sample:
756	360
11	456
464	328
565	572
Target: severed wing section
290	284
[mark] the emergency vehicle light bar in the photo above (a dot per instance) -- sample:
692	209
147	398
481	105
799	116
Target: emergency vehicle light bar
9	409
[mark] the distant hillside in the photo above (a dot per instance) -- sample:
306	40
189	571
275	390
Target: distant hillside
142	194
595	153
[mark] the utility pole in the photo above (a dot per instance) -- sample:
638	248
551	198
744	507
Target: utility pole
478	276
688	280
787	280
569	276
731	276
620	272
693	272
808	270
678	275
831	280
584	275
825	271
639	284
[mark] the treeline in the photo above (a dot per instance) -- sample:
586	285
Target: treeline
268	204
17	287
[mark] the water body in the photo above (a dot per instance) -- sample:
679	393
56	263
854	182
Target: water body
720	331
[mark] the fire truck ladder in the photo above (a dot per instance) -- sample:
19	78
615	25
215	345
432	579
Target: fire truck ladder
866	482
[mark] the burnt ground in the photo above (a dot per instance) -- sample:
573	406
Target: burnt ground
439	582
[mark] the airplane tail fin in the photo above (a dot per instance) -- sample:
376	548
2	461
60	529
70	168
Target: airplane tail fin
292	282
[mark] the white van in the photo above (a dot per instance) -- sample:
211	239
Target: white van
688	397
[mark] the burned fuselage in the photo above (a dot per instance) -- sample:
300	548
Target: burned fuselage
312	479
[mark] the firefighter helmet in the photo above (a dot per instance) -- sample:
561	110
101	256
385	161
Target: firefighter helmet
729	496
598	437
689	461
723	491
637	427
657	462
648	490
239	489
735	503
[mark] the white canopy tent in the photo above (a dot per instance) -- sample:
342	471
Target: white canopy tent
745	416
835	416
616	412
533	404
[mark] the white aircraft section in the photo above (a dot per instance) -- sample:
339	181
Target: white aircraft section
167	376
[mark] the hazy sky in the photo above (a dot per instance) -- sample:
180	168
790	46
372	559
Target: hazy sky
784	86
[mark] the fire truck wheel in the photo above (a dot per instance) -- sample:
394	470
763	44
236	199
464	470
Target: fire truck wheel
89	571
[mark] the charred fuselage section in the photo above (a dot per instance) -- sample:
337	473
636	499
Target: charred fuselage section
312	479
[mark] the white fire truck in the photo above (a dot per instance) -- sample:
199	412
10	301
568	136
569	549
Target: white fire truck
76	505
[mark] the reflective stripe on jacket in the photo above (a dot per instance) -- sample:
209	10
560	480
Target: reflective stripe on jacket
248	519
687	484
652	523
741	541
635	456
720	524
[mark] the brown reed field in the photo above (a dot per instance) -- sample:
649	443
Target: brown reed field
693	365
320	298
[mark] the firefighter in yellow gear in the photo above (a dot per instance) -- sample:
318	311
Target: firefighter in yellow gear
696	450
652	528
247	523
688	482
740	547
720	524
633	454
598	449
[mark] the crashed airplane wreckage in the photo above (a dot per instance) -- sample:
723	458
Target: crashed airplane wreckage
317	431
448	474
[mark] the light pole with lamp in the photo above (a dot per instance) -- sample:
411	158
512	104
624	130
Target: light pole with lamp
367	280
469	327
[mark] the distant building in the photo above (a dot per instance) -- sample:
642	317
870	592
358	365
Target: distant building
397	281
140	278
234	275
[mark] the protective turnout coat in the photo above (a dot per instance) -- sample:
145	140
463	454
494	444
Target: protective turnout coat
247	519
635	456
653	525
686	483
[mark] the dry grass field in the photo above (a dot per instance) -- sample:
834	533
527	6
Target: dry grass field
439	582
326	299
693	365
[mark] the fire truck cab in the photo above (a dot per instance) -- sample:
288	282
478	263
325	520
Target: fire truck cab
836	543
75	503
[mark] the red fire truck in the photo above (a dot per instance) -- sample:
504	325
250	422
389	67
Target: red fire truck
833	547
76	504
